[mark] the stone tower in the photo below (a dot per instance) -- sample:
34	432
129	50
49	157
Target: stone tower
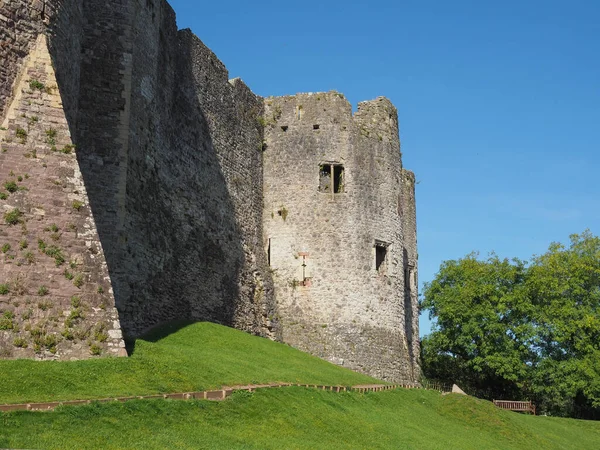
339	224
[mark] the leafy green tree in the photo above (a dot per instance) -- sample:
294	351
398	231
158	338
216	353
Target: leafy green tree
564	287
506	329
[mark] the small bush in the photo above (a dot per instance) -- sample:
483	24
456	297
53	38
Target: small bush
20	343
56	253
100	335
77	205
42	291
45	306
36	85
11	186
27	314
51	137
4	289
75	301
68	334
23	245
68	275
74	316
95	349
21	134
43	341
68	149
78	281
29	257
13	217
5	248
3	195
6	321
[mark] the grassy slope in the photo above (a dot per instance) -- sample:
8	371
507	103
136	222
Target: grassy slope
194	358
296	418
206	355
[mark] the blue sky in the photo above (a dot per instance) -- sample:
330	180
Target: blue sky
498	102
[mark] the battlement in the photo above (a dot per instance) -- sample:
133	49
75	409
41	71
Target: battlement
324	112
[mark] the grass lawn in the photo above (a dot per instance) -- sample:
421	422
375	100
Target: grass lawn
204	355
195	357
293	418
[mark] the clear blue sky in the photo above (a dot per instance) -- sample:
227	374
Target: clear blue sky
498	101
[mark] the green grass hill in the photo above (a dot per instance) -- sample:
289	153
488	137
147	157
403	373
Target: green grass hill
203	355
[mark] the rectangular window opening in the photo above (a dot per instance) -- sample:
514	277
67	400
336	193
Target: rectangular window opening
284	128
316	127
331	178
269	253
380	256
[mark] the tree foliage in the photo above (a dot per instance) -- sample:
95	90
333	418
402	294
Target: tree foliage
516	330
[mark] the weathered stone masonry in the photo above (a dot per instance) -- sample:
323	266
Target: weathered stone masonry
334	224
175	193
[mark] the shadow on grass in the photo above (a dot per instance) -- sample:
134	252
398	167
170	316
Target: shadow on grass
158	332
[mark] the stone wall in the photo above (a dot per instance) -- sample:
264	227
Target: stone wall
333	300
173	164
55	293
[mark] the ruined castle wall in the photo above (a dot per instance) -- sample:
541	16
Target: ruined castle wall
162	206
340	306
173	165
232	113
56	299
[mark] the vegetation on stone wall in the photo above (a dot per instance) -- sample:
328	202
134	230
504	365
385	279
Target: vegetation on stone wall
506	329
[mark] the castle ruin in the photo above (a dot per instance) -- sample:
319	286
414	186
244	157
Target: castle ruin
139	186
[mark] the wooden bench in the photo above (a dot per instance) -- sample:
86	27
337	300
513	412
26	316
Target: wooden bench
513	405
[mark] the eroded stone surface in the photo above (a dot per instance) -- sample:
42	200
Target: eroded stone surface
326	236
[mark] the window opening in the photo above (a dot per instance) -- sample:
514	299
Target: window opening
316	127
380	256
269	253
306	279
284	128
331	178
